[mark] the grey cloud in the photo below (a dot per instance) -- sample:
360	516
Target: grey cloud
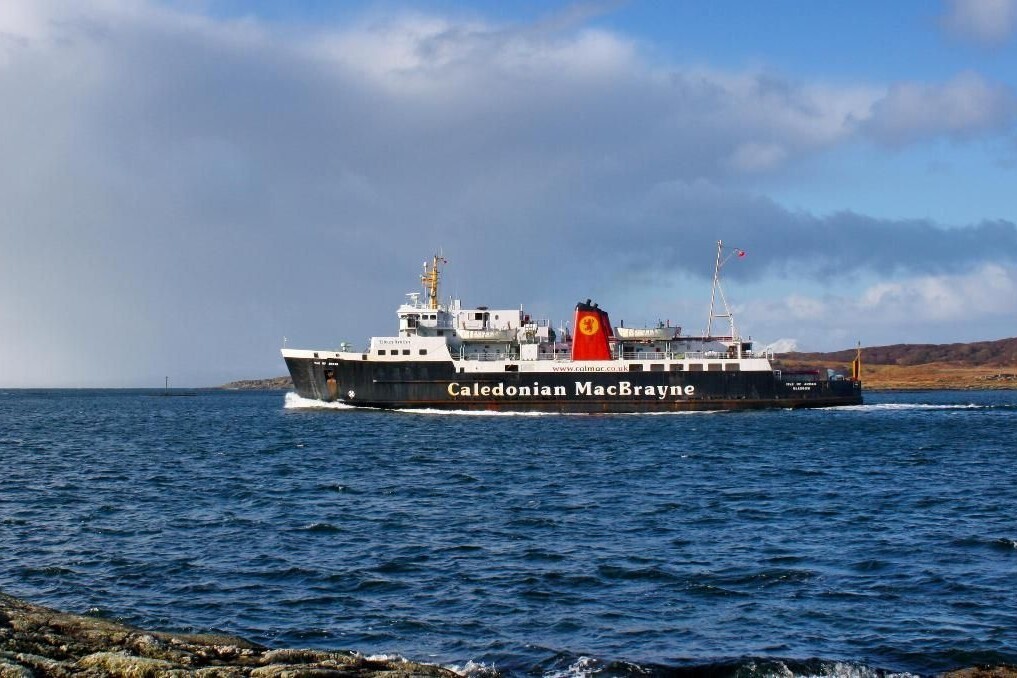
986	22
180	193
965	107
674	225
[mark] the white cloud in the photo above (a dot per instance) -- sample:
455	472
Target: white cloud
795	115
990	290
962	108
416	56
988	22
21	21
975	305
805	308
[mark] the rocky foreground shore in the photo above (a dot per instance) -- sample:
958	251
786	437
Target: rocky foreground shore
37	641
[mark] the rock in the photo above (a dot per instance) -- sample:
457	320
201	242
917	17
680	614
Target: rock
36	641
129	666
998	377
983	672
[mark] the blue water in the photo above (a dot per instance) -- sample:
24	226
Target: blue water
839	541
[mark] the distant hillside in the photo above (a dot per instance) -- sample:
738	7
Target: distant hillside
998	353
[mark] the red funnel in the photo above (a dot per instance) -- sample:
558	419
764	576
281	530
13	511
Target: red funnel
592	333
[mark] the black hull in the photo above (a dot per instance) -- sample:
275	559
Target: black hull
437	385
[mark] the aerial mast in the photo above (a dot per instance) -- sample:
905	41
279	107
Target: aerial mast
718	289
430	280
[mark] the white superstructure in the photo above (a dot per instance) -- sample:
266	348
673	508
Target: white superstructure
482	339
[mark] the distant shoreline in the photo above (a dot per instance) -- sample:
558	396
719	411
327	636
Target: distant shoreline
931	377
980	365
269	384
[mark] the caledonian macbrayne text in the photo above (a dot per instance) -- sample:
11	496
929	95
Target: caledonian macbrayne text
582	388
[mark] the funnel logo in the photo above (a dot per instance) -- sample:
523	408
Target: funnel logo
589	325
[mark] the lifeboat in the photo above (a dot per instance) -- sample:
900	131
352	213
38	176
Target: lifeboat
488	335
646	333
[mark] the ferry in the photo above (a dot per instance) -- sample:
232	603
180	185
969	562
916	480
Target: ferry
449	357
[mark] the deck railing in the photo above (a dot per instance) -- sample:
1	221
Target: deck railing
627	355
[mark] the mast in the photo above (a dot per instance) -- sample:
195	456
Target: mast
717	288
430	280
856	364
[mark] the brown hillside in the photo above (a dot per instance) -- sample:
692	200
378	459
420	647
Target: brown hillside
927	376
998	353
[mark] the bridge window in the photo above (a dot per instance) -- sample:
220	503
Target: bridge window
381	351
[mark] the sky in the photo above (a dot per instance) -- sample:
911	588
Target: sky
187	184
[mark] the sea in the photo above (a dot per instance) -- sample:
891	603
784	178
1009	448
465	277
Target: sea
860	541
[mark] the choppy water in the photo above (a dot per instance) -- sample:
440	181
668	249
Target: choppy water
876	537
